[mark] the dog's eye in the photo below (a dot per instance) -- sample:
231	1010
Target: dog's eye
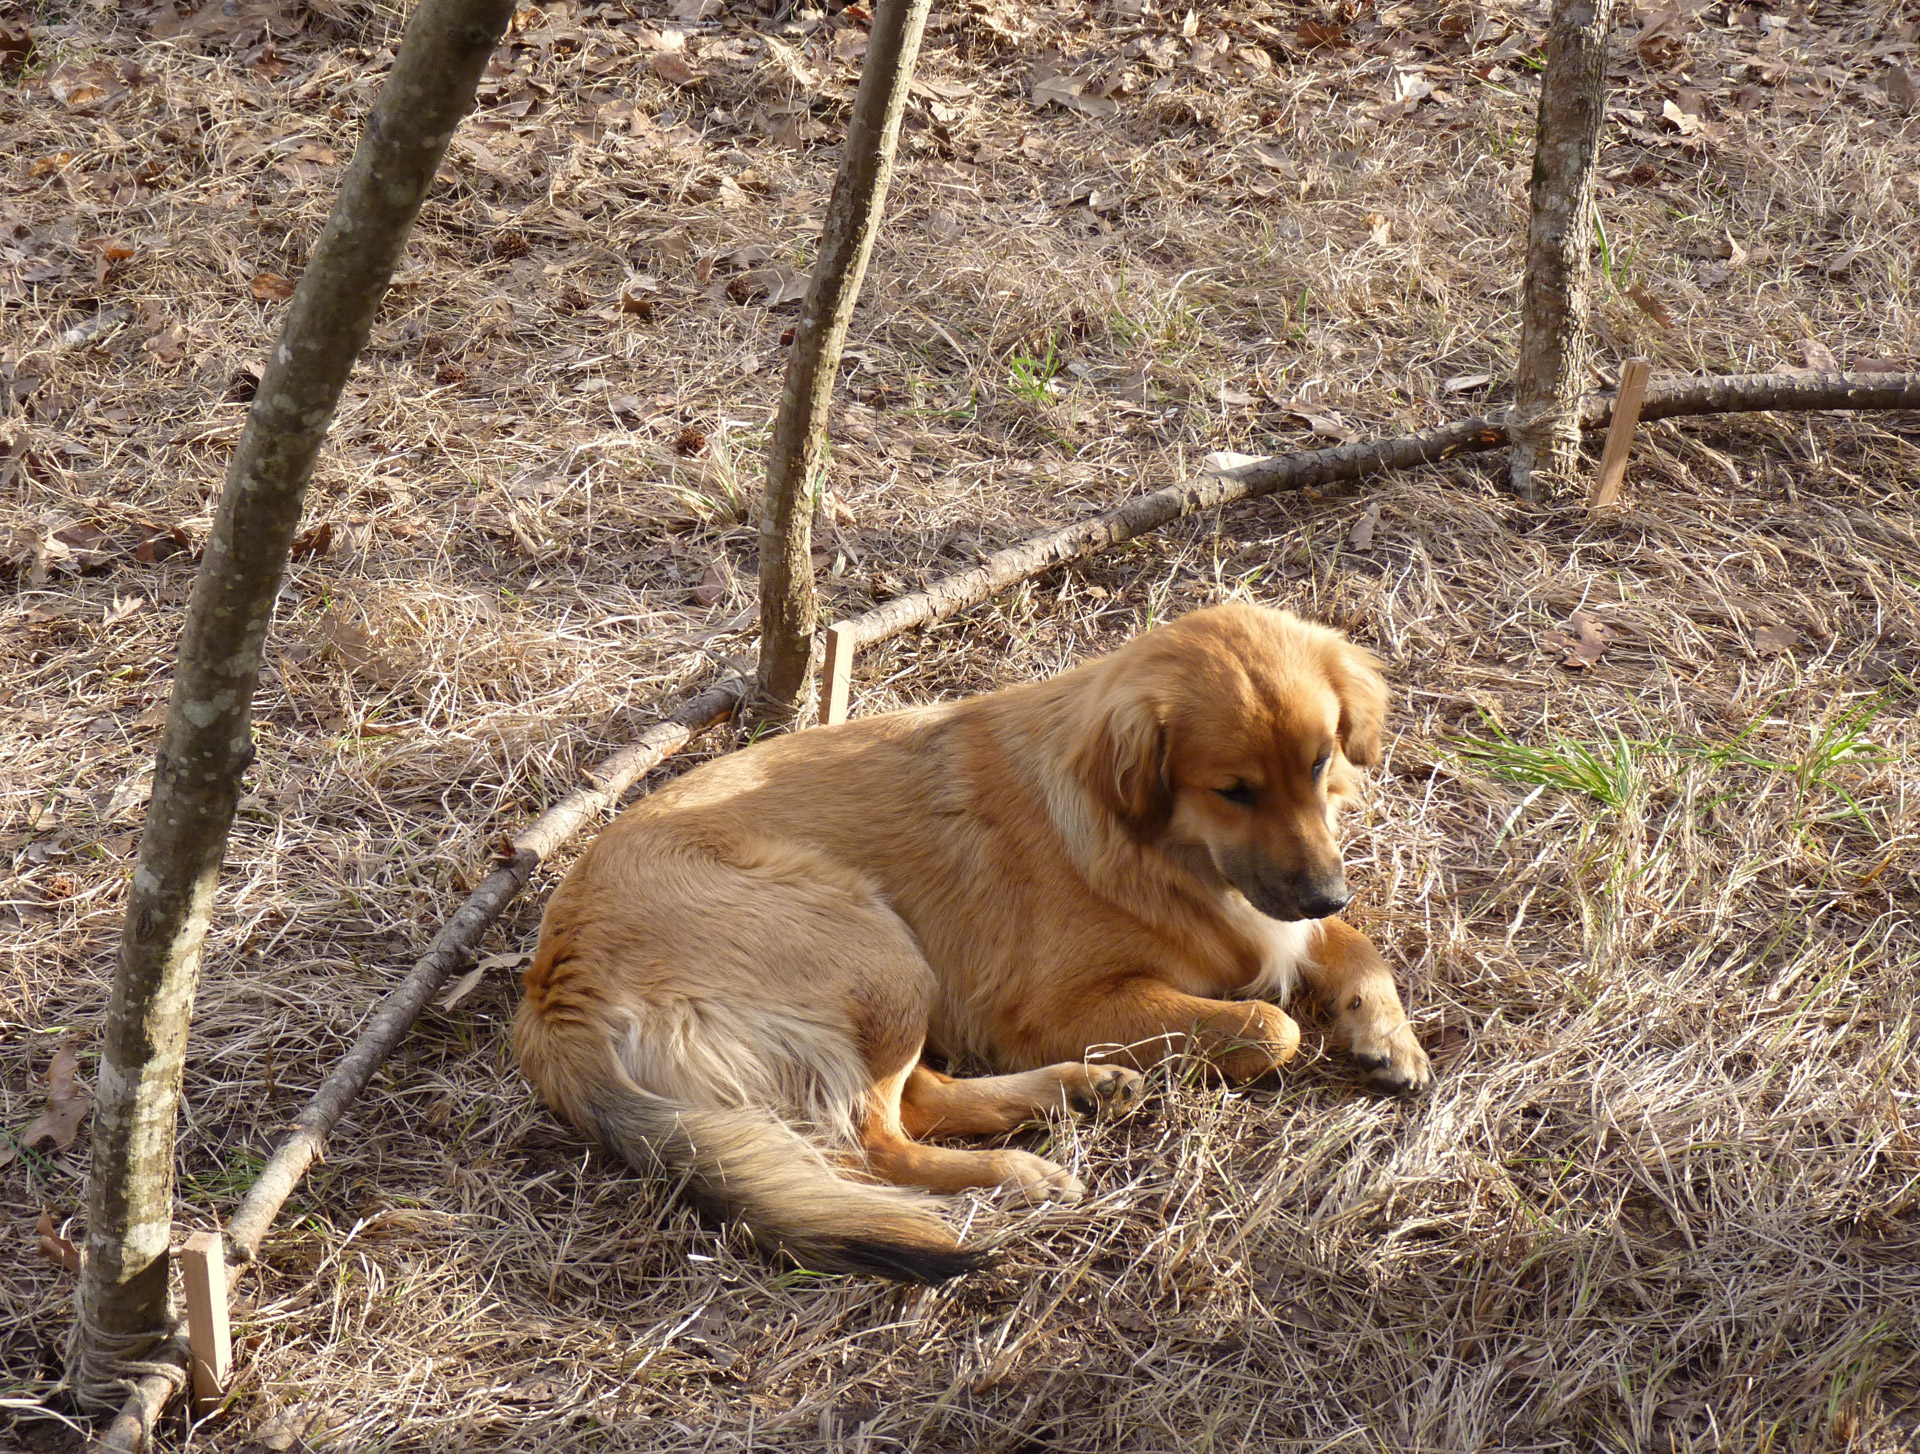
1320	767
1242	793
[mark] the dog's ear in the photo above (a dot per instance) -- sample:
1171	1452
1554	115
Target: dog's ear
1124	763
1355	674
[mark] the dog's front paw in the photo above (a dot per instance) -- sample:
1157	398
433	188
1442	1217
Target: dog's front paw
1393	1064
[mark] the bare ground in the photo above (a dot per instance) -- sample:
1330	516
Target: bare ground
1657	918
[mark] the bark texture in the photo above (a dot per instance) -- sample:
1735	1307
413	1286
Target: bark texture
1741	393
1554	301
794	458
125	1318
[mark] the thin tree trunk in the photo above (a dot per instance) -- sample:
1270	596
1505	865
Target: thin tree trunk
1553	309
124	1308
794	459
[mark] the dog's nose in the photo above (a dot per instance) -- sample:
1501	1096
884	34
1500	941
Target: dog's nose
1320	904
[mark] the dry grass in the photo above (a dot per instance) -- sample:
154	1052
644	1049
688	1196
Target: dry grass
1657	919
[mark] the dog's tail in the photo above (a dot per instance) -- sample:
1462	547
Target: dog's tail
746	1165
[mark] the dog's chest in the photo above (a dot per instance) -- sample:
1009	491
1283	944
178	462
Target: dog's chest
1270	953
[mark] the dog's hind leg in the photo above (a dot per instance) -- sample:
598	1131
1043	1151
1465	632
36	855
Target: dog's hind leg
932	1104
893	1155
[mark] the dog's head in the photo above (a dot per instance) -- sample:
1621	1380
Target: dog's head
1229	737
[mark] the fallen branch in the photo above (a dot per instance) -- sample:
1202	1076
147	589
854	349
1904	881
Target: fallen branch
450	948
1318	467
1789	393
91	329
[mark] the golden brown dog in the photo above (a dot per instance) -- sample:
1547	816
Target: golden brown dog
737	982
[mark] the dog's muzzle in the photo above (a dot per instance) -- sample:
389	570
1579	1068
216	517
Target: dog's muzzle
1289	896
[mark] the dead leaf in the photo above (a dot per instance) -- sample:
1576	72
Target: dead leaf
1840	266
132	793
77	90
1584	647
67	1105
358	649
1448	1044
634	299
1361	536
285	1429
1466	383
1326	426
1898	84
1073	93
317	541
673	69
714	584
1523	1363
105	255
1819	357
169	345
470	981
1650	305
271	287
1773	639
769	287
55	1248
1314	33
1225	461
462	987
160	542
16	47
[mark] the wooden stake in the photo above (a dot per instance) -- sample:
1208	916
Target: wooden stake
203	1267
839	674
1626	414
